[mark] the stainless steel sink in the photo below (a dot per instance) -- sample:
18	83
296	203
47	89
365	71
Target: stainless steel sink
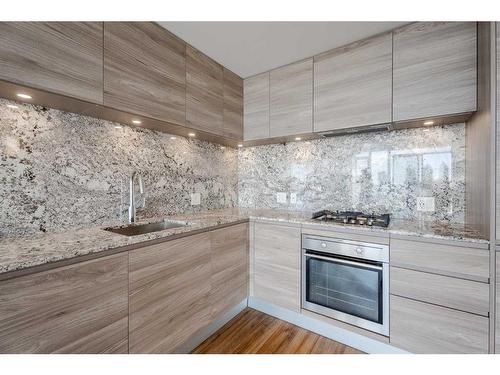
137	229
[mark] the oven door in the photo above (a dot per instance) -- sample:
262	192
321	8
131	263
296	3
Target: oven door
354	291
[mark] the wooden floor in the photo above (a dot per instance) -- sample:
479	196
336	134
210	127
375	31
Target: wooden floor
253	332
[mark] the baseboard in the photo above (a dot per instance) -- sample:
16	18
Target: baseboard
209	330
355	340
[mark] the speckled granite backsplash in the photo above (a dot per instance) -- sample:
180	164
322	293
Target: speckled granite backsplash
372	172
60	170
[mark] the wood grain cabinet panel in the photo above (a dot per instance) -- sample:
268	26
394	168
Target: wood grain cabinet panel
233	105
229	259
423	328
256	107
276	266
81	308
60	57
498	133
144	70
291	97
353	85
497	312
435	69
169	293
204	92
460	294
448	260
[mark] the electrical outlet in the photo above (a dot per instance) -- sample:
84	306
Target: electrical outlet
293	198
281	197
195	199
425	204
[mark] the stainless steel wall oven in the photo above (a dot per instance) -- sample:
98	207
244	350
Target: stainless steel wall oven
346	280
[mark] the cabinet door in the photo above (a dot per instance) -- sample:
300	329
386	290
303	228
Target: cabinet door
256	107
277	265
144	70
204	92
169	287
233	105
424	328
291	89
498	133
497	324
60	57
353	85
229	259
434	69
81	308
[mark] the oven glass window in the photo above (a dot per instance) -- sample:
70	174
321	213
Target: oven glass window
351	289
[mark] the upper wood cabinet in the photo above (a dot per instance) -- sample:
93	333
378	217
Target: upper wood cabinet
233	105
256	107
81	308
60	57
169	287
144	70
276	265
353	85
434	69
204	92
291	97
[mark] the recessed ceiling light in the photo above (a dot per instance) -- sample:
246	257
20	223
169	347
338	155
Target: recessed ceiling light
298	138
240	145
429	123
191	134
173	137
137	122
12	106
118	126
24	96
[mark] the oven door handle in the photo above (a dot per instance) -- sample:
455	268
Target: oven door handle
343	261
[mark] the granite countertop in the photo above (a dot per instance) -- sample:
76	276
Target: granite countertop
18	253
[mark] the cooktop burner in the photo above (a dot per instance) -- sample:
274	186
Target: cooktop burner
353	217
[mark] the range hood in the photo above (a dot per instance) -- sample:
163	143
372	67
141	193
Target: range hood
359	129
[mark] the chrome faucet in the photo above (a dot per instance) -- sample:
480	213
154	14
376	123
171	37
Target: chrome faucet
131	207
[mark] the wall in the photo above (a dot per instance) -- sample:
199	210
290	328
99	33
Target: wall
373	172
61	170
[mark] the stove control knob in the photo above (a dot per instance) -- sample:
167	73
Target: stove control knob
323	244
359	250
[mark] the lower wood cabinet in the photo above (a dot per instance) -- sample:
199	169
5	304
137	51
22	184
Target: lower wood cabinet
169	291
229	262
276	268
497	324
81	308
425	328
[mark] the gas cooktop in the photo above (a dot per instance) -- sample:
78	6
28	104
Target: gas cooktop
353	217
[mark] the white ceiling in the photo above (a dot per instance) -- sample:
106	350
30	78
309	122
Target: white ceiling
249	48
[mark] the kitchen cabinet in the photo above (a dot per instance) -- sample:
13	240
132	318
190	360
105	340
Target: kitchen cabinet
80	308
204	92
424	328
233	105
229	260
353	85
498	132
144	70
434	70
497	312
60	57
256	107
291	97
169	291
276	268
454	260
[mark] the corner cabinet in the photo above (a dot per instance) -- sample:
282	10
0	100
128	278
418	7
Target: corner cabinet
61	57
204	92
276	265
256	107
81	308
144	71
233	105
435	69
291	97
353	85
